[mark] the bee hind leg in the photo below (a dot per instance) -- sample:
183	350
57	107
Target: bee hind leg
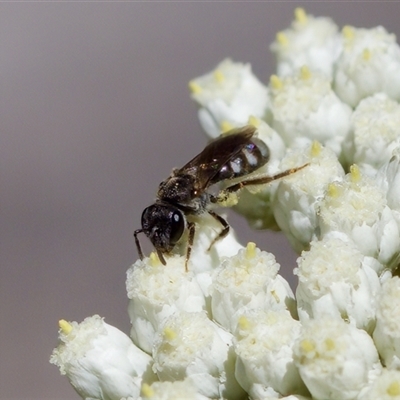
225	228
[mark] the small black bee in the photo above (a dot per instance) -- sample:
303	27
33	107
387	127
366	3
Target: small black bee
183	193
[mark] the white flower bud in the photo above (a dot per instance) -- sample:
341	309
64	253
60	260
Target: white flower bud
369	64
193	347
375	132
335	280
178	390
264	347
385	387
336	360
305	108
387	331
357	208
296	201
228	96
155	292
311	41
248	281
100	361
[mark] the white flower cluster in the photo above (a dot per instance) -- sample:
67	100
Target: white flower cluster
230	327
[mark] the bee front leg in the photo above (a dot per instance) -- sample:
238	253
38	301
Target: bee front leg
225	228
192	230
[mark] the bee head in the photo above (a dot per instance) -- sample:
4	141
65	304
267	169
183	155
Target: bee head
164	225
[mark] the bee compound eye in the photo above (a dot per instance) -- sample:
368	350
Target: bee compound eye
177	226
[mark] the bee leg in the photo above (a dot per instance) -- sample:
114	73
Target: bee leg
225	228
192	230
139	249
264	179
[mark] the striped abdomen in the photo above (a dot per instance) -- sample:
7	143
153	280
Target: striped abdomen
252	156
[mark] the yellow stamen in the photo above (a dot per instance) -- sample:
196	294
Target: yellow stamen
226	126
282	39
316	148
65	326
169	333
254	121
366	54
333	190
250	250
355	174
305	73
393	389
348	32
307	346
194	87
244	323
330	344
146	390
219	76
300	15
276	82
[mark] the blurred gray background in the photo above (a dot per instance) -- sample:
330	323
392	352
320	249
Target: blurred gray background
95	112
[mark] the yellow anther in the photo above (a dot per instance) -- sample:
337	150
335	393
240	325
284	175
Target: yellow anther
282	39
244	323
305	73
276	82
330	344
316	148
366	54
194	87
219	76
333	190
307	346
355	174
65	326
250	250
393	389
146	390
300	15
169	333
226	126
154	260
348	32
254	121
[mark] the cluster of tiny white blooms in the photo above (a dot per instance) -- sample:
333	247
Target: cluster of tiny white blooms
223	324
249	280
368	64
191	346
155	293
336	360
311	41
264	343
375	133
356	208
296	201
100	361
336	280
385	387
305	108
227	97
